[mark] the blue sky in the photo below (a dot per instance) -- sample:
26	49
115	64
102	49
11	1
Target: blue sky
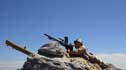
100	23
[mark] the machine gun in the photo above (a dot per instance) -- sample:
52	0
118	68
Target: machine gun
23	50
63	42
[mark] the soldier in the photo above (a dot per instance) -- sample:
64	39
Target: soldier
81	50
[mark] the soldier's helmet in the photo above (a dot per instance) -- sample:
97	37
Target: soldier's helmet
79	40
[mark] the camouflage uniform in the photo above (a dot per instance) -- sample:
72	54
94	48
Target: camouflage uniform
82	52
81	49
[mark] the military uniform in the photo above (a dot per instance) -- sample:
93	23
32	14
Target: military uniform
81	49
82	52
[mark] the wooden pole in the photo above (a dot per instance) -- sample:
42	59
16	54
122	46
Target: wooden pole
19	48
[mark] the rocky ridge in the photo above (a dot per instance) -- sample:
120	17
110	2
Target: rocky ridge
55	58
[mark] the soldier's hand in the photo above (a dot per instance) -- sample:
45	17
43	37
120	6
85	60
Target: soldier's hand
68	51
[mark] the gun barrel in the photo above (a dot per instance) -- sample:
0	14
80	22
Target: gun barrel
46	35
23	50
61	41
51	38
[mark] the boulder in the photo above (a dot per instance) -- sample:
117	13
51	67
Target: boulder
55	58
59	64
51	50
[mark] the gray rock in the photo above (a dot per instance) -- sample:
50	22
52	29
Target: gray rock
54	58
63	64
111	67
52	64
51	50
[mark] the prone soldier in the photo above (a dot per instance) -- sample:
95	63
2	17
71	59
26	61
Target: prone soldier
81	50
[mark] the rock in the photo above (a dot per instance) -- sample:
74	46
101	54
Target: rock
111	67
55	58
63	64
51	50
59	64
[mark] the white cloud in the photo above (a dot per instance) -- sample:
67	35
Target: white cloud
117	59
11	65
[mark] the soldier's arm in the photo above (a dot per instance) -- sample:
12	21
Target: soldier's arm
75	54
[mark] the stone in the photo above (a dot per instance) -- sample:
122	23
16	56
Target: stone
51	50
55	58
63	64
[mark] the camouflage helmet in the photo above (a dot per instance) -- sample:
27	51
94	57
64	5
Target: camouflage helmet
79	40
